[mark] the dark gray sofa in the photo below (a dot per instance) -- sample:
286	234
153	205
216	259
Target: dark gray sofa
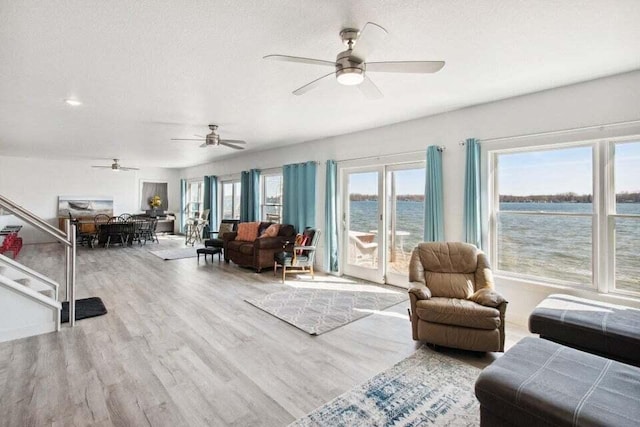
608	330
541	383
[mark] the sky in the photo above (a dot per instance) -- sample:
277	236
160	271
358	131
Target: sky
409	181
529	173
564	170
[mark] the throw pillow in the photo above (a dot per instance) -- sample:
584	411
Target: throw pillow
301	240
271	231
248	231
225	227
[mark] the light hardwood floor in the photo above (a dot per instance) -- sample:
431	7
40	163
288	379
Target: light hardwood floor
180	346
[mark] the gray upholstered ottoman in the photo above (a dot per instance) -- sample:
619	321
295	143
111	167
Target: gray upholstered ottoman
609	330
541	383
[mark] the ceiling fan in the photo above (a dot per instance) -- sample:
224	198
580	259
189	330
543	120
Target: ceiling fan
351	67
213	139
115	166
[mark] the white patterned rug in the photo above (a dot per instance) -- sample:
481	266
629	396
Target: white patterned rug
177	253
316	311
424	389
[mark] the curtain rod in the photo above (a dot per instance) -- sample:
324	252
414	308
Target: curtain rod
557	132
441	148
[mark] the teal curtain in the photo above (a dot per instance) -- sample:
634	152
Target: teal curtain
331	217
250	196
211	202
183	204
433	198
299	195
472	222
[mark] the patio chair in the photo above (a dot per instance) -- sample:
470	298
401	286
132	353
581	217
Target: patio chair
362	251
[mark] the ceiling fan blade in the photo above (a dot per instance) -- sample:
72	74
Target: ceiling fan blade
370	37
237	147
405	66
309	86
188	139
369	89
300	59
233	141
128	169
204	145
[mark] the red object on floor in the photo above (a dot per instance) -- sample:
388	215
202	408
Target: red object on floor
12	243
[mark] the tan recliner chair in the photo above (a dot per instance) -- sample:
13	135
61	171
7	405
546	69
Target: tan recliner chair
453	301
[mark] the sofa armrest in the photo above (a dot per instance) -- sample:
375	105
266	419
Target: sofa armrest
487	297
229	236
420	293
415	294
490	298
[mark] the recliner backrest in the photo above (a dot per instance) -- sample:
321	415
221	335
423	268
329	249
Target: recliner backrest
448	269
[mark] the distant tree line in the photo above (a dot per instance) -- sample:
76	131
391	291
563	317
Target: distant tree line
624	197
374	197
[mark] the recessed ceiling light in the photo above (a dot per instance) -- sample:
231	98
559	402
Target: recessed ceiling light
73	102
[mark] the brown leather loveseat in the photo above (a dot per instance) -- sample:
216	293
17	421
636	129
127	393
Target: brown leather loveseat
260	253
453	303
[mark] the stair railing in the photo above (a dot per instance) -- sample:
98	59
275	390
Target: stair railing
68	239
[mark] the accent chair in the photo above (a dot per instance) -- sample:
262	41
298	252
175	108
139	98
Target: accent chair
300	258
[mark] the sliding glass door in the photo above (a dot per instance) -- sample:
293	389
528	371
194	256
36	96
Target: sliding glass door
362	221
383	220
404	219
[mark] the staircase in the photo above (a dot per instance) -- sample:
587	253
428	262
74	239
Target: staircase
29	302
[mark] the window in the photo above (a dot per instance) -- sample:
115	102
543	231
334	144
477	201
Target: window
272	198
547	223
195	198
231	199
625	219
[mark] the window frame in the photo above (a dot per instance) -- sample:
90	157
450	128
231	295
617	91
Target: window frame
494	212
603	251
263	191
612	214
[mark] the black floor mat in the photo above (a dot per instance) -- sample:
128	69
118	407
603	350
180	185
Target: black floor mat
85	308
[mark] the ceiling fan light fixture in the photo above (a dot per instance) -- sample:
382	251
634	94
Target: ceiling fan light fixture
350	76
73	102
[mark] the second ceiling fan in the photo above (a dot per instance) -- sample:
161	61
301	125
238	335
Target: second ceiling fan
350	66
213	139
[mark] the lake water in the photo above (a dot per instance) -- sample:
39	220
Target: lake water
410	218
558	247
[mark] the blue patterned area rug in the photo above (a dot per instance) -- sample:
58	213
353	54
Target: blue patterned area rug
425	389
316	311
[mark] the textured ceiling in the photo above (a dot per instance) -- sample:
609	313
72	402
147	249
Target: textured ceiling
150	71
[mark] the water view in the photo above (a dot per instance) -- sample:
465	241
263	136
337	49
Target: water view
409	218
560	247
545	246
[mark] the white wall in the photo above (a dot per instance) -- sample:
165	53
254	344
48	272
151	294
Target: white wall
607	100
35	184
